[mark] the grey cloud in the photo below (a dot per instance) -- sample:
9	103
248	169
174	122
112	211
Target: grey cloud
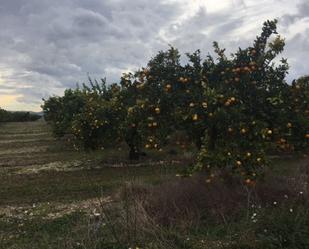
303	12
47	46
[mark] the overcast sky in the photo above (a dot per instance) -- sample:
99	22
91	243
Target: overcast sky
49	45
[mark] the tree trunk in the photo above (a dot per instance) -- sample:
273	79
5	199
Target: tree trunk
198	142
134	153
213	133
133	141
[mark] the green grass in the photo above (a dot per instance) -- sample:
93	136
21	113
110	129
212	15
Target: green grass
76	185
39	170
50	192
50	170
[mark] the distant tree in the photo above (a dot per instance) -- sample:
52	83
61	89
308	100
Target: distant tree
60	111
8	116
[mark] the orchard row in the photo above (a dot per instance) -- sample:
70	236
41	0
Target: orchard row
235	109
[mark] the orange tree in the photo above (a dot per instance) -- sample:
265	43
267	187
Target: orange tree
175	93
148	120
187	99
90	113
295	121
157	98
60	111
244	96
96	125
141	111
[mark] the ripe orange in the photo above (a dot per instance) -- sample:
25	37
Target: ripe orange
130	109
243	131
195	117
227	103
248	181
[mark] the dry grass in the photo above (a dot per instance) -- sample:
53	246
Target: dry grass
169	212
